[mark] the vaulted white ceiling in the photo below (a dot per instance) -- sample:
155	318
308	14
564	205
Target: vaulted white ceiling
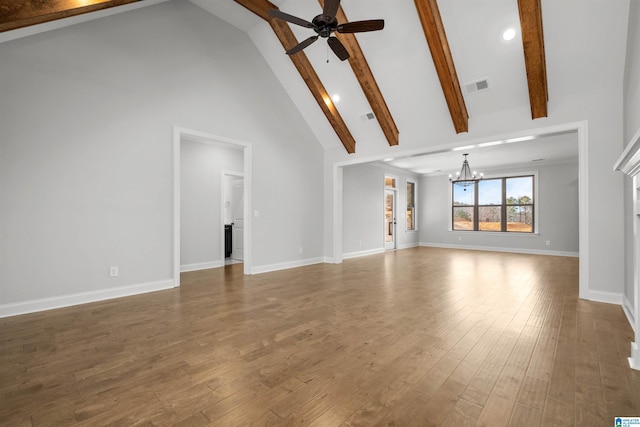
579	35
585	44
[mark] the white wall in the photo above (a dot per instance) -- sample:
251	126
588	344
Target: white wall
86	151
201	195
363	209
557	214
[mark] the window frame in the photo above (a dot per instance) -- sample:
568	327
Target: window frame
395	182
503	207
415	204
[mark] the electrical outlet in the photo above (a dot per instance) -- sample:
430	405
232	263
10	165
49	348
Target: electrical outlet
548	242
113	271
301	249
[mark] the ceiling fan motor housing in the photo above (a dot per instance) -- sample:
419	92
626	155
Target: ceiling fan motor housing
324	25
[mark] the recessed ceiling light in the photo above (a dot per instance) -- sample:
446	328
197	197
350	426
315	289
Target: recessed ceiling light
520	139
336	98
489	144
509	34
466	147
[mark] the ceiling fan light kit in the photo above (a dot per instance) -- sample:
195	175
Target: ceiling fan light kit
325	25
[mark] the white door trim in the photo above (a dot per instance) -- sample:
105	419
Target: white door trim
237	251
394	244
180	134
222	176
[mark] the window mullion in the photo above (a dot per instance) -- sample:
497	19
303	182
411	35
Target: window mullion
476	211
503	217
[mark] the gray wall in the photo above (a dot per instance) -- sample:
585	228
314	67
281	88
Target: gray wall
631	95
86	138
557	206
363	208
201	168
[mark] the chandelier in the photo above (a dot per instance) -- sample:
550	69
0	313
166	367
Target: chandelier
465	177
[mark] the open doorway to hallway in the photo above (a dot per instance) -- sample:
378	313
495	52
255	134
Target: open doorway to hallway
201	163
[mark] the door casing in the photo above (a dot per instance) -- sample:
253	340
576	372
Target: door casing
392	224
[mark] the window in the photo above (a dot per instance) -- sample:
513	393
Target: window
519	201
411	205
389	182
490	205
499	204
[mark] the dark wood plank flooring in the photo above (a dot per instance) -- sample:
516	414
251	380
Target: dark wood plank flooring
415	337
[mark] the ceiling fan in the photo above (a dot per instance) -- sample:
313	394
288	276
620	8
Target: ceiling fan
325	24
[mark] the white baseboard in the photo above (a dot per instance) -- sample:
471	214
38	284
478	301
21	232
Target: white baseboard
628	311
201	266
634	360
408	245
362	253
286	265
602	296
14	309
499	249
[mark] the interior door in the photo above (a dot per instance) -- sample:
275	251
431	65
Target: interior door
389	219
237	203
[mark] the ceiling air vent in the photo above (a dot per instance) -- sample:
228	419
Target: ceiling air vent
367	116
476	86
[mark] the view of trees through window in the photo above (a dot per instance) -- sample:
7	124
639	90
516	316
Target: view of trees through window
498	204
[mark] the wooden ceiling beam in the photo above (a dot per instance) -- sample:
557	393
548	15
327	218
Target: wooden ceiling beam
368	83
534	57
18	14
302	64
439	46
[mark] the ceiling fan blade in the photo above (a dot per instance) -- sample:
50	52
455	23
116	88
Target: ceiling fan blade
338	48
361	26
297	48
290	18
331	8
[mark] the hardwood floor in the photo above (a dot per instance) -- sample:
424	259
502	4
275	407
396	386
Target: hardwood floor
416	337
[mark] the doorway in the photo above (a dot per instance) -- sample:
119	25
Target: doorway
389	219
182	134
233	217
237	191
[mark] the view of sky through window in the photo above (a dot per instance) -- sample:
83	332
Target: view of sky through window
463	195
490	192
520	187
